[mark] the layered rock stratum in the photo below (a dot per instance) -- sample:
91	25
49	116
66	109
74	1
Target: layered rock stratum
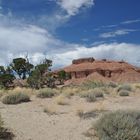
84	69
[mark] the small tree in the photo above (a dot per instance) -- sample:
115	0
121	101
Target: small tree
40	76
62	75
6	77
22	67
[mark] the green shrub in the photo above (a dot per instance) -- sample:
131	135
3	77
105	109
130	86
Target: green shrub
46	93
15	98
119	125
124	93
125	87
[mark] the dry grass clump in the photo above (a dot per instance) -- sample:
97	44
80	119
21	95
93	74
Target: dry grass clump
92	95
118	125
136	86
46	93
70	91
4	133
98	109
126	87
28	91
15	98
61	100
1	93
87	115
50	111
124	93
92	85
99	93
112	85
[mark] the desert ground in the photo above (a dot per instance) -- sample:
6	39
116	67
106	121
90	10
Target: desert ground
57	118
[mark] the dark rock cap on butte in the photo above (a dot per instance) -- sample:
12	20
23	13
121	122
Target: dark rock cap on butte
83	60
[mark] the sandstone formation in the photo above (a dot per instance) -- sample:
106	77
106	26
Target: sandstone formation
102	70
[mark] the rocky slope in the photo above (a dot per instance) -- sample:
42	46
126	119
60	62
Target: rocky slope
102	70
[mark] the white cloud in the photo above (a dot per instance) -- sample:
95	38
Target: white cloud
130	21
116	33
17	41
38	42
114	51
72	7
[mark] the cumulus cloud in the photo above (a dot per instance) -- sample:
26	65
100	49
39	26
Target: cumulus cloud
72	7
39	43
116	33
113	51
17	39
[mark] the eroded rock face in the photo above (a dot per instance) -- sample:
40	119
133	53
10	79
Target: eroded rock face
103	70
83	60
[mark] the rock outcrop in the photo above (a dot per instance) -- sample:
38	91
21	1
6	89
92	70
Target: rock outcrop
102	70
83	60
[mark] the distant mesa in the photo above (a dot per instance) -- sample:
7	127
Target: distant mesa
104	70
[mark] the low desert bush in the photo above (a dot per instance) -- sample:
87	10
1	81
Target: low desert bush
92	85
61	100
49	111
124	93
87	115
124	87
98	93
28	91
91	97
112	85
4	133
46	93
118	125
15	98
70	91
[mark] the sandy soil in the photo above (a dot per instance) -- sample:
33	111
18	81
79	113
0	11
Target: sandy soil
28	121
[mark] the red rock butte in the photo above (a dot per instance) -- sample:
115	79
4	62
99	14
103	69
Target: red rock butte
85	69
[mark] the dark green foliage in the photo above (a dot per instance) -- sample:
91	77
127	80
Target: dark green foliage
119	125
15	98
6	80
2	70
22	67
6	77
41	76
62	76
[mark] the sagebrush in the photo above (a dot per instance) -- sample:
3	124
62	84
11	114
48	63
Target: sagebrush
119	125
15	98
46	93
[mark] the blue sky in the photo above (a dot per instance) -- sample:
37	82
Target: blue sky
63	30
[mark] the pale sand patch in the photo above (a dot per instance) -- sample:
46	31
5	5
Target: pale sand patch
29	122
